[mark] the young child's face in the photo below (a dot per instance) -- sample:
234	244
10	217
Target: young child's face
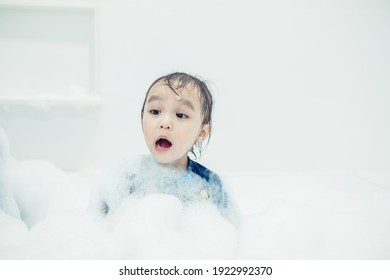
172	124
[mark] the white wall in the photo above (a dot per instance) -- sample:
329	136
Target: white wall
300	85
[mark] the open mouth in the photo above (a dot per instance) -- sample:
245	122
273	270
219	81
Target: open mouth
163	143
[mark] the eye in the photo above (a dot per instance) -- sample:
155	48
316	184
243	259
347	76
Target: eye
154	112
181	116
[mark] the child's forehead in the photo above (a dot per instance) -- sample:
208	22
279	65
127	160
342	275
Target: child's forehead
181	91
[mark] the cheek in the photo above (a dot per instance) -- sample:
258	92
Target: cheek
191	136
146	127
146	122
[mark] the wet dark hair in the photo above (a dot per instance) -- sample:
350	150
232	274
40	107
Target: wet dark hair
177	81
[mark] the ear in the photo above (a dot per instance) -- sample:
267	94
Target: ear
204	132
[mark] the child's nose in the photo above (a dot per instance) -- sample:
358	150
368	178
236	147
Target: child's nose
165	126
166	123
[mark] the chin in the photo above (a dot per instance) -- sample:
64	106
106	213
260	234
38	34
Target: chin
162	160
168	162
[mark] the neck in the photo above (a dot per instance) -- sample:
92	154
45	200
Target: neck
180	164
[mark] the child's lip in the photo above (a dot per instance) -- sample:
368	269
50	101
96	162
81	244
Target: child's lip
163	137
162	146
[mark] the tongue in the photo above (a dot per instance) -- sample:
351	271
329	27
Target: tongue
164	143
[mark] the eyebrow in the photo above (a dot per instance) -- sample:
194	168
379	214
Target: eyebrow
183	101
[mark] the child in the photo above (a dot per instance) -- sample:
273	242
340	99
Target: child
176	120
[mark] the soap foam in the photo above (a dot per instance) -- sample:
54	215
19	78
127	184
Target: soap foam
284	216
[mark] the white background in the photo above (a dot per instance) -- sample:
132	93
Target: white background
299	85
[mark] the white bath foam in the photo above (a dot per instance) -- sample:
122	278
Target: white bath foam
4	147
12	231
7	200
284	216
144	227
284	231
313	216
158	226
206	234
66	235
39	188
380	178
53	204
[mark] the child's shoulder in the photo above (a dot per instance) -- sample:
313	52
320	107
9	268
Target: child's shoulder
203	172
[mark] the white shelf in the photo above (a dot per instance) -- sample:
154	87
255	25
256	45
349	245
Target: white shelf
48	47
51	101
91	4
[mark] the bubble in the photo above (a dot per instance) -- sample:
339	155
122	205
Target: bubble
283	215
